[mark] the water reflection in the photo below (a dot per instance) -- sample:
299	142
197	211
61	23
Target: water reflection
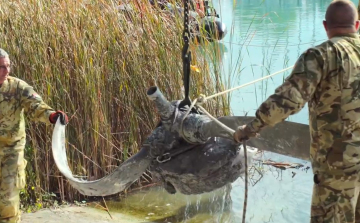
156	205
280	196
274	196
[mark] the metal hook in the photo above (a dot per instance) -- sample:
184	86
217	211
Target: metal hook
165	160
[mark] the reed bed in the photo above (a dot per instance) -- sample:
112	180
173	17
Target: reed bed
95	62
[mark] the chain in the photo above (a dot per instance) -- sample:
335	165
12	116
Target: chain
186	32
186	56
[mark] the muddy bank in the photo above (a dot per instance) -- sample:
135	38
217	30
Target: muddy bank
76	214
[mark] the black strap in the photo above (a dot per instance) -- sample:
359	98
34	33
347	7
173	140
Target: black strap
167	156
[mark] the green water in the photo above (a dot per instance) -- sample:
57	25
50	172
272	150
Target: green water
267	36
264	36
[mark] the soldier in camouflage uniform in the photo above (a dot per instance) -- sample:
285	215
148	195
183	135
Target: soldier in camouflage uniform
16	99
328	78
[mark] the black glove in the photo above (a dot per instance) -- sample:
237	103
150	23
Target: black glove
63	117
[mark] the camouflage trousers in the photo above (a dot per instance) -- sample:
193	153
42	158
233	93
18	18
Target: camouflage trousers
12	180
335	198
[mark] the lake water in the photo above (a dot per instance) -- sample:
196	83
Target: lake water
264	36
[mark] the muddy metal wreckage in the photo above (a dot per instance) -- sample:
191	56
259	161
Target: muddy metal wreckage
191	156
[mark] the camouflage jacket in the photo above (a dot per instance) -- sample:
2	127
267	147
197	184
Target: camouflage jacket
17	98
328	78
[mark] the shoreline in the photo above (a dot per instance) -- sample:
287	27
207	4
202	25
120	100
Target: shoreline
76	214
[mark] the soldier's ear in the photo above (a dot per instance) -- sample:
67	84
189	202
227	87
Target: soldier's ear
357	23
325	25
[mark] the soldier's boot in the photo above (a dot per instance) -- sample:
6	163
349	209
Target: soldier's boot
12	181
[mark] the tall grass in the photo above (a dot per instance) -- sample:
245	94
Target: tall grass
95	62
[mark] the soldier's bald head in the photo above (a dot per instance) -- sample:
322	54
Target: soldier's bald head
3	54
341	14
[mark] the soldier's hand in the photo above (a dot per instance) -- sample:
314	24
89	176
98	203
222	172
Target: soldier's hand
244	133
59	114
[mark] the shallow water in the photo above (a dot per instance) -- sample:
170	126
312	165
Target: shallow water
276	196
264	36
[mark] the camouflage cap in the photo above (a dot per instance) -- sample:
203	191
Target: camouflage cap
3	53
